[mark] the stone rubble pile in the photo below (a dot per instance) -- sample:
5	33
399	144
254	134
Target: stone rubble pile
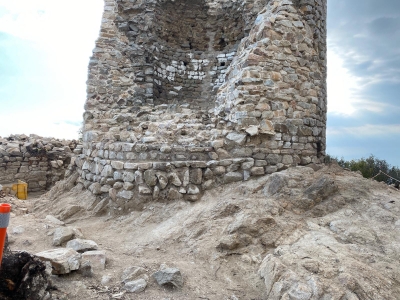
38	161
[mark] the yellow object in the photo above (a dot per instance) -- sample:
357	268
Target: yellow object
21	190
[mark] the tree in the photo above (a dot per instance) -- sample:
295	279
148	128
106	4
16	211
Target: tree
370	167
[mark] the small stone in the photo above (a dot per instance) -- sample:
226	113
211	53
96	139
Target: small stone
149	139
81	245
174	179
150	177
156	192
136	286
287	160
18	230
162	179
238	138
169	277
86	269
193	190
96	258
247	165
125	194
132	273
233	177
252	130
144	190
173	194
118	165
257	171
78	234
62	235
195	176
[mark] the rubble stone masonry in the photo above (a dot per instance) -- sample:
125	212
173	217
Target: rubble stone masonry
38	161
186	95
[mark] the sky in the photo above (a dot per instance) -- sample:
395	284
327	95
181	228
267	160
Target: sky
45	47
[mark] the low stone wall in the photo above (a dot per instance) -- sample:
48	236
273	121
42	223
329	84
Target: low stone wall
38	161
173	154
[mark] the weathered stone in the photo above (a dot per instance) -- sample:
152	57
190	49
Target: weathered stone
233	177
136	286
150	177
81	245
128	195
252	130
162	179
237	138
132	273
173	194
96	258
62	235
118	165
174	179
193	190
257	171
63	261
144	190
169	277
85	269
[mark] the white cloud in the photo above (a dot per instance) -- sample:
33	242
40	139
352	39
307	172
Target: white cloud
49	22
367	130
342	86
64	32
345	90
35	122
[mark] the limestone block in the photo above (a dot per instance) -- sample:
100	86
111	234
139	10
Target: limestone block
237	138
128	176
195	175
128	195
174	179
81	245
62	235
173	194
97	259
150	177
169	277
63	261
118	165
193	190
107	171
162	179
257	171
144	190
135	286
233	177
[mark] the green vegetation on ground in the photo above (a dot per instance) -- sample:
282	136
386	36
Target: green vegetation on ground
369	167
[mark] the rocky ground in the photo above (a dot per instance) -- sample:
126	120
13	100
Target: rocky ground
302	233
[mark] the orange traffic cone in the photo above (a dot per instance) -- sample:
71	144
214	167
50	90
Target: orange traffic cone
4	220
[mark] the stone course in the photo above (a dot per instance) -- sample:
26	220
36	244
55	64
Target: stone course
183	96
40	162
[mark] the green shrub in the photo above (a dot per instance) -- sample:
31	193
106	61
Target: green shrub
369	167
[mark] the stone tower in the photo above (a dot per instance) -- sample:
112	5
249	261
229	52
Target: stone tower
186	95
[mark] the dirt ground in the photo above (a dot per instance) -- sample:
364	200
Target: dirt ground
327	234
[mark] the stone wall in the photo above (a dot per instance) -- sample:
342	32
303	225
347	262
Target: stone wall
186	95
38	161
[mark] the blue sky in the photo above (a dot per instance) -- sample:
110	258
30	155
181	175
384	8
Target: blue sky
45	46
364	79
